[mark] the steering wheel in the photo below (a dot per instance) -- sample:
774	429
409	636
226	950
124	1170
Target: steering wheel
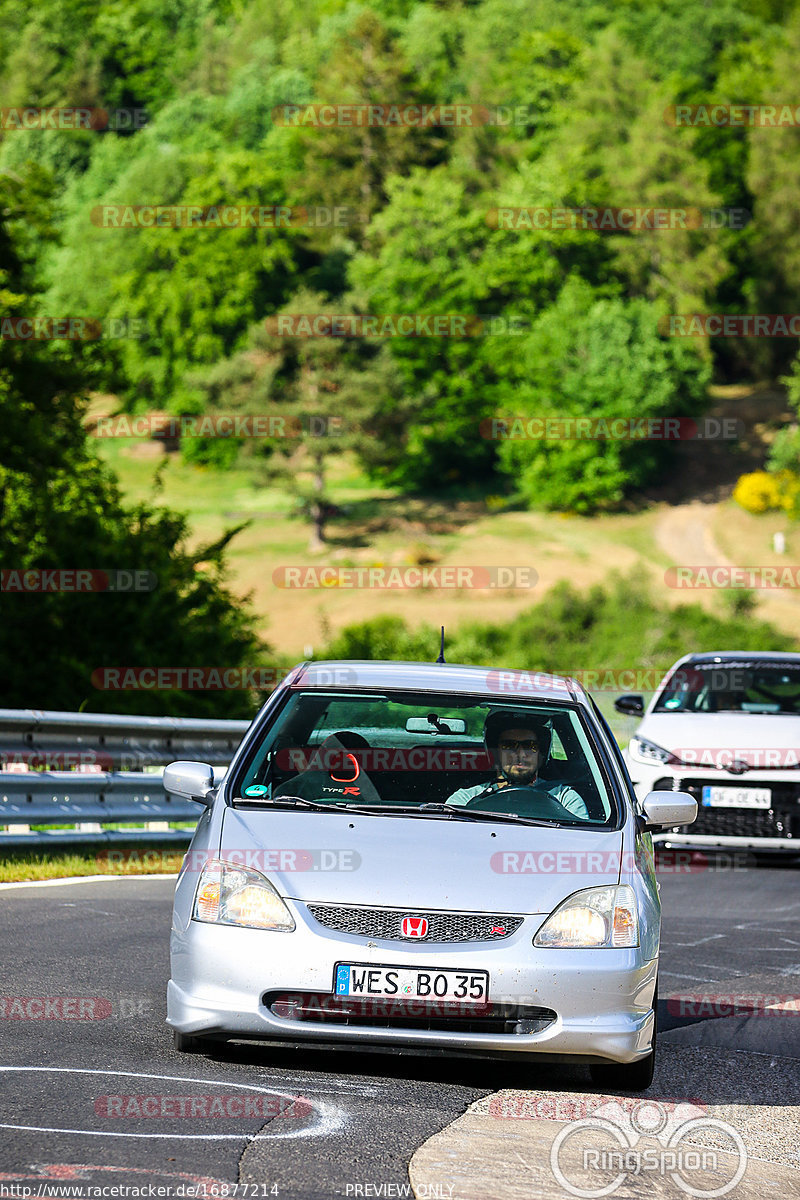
524	801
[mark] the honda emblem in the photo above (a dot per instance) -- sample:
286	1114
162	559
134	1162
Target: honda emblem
414	927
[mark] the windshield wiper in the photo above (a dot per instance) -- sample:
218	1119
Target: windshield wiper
391	810
479	814
301	802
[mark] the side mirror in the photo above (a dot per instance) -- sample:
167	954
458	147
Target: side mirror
631	706
191	780
665	809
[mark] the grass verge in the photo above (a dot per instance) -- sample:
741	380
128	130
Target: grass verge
25	866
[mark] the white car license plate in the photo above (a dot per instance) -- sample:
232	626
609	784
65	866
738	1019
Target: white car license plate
733	797
411	983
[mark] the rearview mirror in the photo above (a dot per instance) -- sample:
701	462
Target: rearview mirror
631	706
435	724
665	809
191	780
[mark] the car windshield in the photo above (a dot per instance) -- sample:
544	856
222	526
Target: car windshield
454	755
746	686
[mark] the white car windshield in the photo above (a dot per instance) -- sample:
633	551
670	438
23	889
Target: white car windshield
402	751
745	685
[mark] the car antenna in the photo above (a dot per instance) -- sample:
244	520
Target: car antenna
441	657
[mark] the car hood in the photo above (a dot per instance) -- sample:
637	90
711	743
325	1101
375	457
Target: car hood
420	862
716	731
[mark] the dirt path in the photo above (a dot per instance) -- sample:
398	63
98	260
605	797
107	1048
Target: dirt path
684	534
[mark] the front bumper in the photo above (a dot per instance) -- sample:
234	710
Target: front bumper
776	828
602	998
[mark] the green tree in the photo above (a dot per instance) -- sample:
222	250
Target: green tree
60	508
599	359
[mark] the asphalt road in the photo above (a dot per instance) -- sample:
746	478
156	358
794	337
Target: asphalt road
74	1093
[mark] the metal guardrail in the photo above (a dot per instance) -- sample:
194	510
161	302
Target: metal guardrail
115	740
89	797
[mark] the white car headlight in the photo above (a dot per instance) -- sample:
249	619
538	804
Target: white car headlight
644	751
232	895
595	918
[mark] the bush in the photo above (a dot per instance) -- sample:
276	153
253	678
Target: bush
765	491
616	625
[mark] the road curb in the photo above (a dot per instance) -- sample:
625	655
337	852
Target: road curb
500	1149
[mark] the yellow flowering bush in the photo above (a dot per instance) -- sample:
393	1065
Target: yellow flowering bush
761	491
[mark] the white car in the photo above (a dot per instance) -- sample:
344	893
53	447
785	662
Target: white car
726	729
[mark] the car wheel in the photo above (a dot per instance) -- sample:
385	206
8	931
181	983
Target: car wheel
189	1044
629	1077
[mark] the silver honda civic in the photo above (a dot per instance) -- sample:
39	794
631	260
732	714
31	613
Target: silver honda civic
417	856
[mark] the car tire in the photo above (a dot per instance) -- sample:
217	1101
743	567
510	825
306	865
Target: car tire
629	1077
187	1043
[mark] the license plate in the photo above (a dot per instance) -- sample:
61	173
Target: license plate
733	797
410	983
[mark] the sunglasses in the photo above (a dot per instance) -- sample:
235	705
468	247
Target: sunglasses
529	746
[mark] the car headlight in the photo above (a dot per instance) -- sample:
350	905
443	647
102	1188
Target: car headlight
649	752
233	895
593	919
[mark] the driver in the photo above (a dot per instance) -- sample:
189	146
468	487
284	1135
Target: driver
520	747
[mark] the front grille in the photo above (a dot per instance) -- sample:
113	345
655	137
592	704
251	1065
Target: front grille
782	820
390	1013
442	926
